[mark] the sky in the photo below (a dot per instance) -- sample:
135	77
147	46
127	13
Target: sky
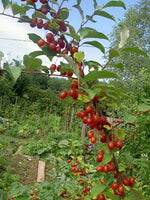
14	41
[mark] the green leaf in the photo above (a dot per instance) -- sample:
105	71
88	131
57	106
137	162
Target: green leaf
134	50
117	65
120	134
54	25
73	35
143	107
104	14
25	19
134	195
1	55
65	67
16	9
6	4
95	3
87	32
3	195
91	92
14	72
72	64
129	118
84	98
36	53
50	54
79	56
88	17
39	15
96	44
71	28
55	2
80	11
98	188
115	4
114	52
34	37
32	63
107	158
93	64
94	75
64	13
124	35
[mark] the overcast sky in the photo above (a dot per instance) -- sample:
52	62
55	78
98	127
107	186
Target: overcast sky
10	29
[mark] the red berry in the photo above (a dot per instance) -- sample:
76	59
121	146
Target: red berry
99	168
44	11
58	50
52	46
53	67
69	161
125	182
89	109
111	145
100	157
102	181
39	23
50	37
74	49
118	144
43	1
41	42
93	139
121	189
103	139
101	197
58	68
105	169
69	74
90	134
73	93
63	94
114	186
131	181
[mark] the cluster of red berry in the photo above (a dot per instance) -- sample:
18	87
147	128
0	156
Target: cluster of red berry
34	195
78	172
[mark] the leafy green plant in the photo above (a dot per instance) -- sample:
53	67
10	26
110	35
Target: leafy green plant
106	156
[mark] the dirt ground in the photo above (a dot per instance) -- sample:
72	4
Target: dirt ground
25	167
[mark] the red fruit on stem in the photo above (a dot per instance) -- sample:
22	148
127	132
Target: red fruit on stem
53	67
119	143
90	134
120	189
50	37
73	49
103	139
99	168
43	1
52	46
102	181
39	23
100	157
100	197
111	145
131	181
89	109
63	94
69	74
114	185
105	169
93	139
41	42
58	68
